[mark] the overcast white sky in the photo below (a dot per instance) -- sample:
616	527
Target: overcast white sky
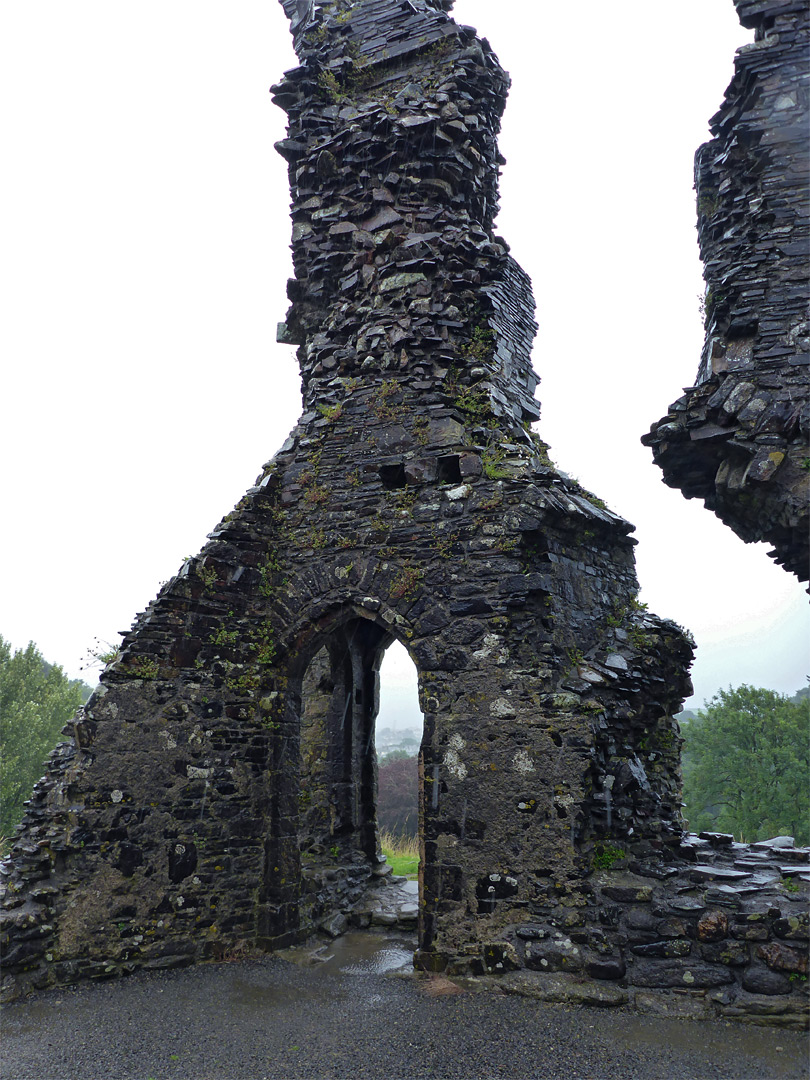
143	259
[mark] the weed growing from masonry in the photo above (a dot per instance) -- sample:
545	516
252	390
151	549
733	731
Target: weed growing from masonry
101	653
223	637
421	430
271	567
316	495
492	462
444	544
575	658
404	499
406	583
481	345
315	539
473	401
145	668
606	855
206	574
330	412
382	405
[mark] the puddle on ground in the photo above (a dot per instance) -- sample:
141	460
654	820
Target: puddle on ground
357	953
360	952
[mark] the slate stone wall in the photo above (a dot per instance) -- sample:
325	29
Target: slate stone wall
710	930
220	785
738	438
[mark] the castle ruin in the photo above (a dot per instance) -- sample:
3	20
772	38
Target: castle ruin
219	787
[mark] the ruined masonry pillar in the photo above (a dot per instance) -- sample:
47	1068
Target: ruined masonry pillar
219	786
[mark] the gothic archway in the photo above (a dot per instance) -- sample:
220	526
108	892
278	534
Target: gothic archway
322	847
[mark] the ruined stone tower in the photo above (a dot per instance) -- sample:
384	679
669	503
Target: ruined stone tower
220	784
738	439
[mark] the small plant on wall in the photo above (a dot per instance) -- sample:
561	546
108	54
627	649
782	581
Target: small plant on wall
406	583
606	855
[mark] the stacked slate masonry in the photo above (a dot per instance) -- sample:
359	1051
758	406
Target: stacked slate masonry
220	785
738	439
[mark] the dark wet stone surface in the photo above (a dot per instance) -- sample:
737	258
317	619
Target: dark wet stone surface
271	1019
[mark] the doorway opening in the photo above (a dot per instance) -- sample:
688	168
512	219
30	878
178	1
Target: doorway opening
336	814
398	739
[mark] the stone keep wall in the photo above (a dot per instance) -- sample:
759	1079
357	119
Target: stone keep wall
738	438
220	785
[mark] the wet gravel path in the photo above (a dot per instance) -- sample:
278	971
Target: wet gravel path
271	1019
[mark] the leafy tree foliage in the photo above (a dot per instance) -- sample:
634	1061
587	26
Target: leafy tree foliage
394	755
36	700
746	765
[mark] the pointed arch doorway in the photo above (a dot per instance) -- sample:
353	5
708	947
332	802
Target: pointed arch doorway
334	705
398	737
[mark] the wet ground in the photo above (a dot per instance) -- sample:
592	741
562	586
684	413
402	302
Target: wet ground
354	1009
357	953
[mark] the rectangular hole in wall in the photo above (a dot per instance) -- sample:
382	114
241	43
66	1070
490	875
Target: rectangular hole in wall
448	470
392	476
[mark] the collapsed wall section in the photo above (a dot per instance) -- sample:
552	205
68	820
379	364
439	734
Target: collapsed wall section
738	438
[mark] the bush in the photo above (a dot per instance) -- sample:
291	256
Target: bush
746	765
36	701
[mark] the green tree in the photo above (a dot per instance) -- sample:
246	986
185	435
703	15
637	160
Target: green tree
746	765
36	700
393	755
